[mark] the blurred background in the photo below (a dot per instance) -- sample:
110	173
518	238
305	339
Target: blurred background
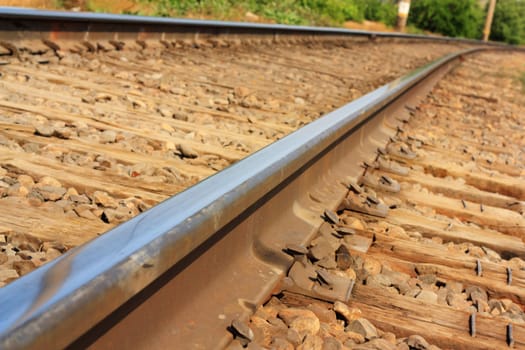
457	18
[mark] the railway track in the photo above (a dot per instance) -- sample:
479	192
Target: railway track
203	262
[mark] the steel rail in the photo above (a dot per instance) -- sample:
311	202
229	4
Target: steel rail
181	271
52	25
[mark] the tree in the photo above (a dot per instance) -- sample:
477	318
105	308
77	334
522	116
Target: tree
463	18
508	23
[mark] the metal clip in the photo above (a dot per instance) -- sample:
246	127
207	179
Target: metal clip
365	204
510	338
479	270
472	324
400	150
382	182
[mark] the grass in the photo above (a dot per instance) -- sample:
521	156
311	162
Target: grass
303	12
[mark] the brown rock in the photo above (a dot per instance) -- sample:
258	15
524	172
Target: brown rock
49	181
306	325
84	211
186	151
476	252
376	344
52	253
323	314
456	287
348	313
343	258
321	248
24	242
311	342
491	254
477	296
328	262
332	344
402	346
241	91
427	296
108	136
79	199
44	130
478	293
457	300
51	193
281	344
496	307
263	331
426	269
294	337
23	267
356	338
17	190
428	279
277	322
364	327
371	266
104	199
26	181
8	275
389	337
63	133
517	264
417	342
378	281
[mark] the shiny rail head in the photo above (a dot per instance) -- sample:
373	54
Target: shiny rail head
20	19
63	299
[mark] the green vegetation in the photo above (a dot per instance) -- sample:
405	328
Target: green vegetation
509	22
306	12
457	18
